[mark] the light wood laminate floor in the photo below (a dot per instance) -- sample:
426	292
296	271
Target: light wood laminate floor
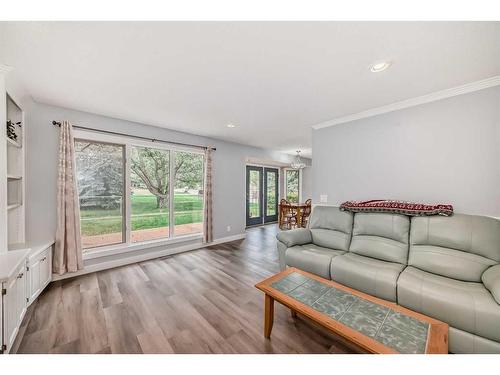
203	301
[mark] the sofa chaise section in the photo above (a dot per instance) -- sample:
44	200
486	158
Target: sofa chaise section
466	306
453	275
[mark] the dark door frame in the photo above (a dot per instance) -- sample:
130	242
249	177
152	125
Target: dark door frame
271	218
262	218
257	219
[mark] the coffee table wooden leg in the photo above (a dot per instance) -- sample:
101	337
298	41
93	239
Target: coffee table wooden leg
294	313
268	316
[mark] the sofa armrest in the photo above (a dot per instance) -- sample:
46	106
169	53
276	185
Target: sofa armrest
299	236
491	280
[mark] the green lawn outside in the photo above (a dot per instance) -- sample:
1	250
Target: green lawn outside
188	209
254	209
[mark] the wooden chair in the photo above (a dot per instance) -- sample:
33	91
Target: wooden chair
306	213
288	216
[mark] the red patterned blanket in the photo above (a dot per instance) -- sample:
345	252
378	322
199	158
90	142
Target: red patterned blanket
398	207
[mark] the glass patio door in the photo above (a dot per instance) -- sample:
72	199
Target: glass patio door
261	195
271	195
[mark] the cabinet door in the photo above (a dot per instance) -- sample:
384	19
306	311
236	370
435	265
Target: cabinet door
21	295
14	306
34	286
40	273
45	269
10	312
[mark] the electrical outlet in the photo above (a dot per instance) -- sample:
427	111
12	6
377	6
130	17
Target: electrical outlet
228	228
323	198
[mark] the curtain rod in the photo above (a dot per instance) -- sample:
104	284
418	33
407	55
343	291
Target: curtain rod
58	123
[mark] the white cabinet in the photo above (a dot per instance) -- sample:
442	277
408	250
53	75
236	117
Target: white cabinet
24	273
39	273
18	286
14	305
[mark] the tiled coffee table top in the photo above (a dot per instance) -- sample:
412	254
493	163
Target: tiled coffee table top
393	329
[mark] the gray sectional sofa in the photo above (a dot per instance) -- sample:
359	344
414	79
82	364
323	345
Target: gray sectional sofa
444	267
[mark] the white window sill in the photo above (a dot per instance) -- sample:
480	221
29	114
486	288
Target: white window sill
129	247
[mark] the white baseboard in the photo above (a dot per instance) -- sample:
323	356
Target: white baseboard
143	257
235	237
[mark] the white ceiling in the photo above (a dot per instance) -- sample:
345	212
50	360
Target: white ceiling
273	80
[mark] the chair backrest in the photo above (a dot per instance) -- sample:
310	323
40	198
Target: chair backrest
307	209
287	208
381	236
283	208
460	246
331	227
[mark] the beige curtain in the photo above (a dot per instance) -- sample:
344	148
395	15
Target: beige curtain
68	248
207	217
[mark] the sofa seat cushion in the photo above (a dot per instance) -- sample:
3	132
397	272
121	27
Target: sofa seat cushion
311	258
467	306
369	275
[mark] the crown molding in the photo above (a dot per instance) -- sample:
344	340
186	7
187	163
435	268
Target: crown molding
432	97
4	69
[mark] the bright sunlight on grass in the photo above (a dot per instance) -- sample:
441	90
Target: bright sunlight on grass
188	209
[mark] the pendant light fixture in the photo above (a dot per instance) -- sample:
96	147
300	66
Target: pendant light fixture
298	163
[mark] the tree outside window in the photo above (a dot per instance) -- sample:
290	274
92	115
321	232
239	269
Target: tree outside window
101	174
292	185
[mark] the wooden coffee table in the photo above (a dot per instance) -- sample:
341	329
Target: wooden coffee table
373	324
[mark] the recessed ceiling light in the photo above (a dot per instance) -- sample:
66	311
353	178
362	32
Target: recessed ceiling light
231	125
380	66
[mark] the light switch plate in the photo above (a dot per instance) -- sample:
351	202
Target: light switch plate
323	198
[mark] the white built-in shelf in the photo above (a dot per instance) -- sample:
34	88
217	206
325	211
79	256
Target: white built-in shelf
12	206
10	142
14	174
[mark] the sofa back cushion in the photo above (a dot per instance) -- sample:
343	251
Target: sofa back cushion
381	236
461	246
331	227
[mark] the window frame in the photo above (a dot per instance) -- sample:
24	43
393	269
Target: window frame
125	207
128	143
299	182
172	191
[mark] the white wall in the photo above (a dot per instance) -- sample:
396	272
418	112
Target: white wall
446	151
307	177
229	168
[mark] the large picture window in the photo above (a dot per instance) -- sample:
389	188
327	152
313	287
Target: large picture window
132	193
